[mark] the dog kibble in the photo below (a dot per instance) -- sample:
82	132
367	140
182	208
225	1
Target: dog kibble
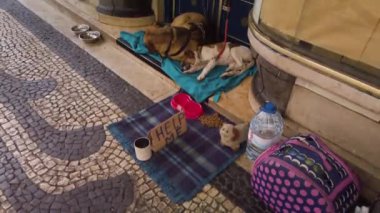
211	121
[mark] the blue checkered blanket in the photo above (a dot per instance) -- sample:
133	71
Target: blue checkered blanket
184	166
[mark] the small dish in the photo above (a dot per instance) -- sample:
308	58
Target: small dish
183	102
80	28
89	36
193	110
179	101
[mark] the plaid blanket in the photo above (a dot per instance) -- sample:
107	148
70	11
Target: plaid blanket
184	166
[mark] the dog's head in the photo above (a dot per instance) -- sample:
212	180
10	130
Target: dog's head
229	132
156	37
189	59
149	38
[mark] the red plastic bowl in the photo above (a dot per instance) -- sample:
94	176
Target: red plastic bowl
179	101
183	102
193	110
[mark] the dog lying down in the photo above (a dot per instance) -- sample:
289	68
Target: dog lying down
186	33
238	58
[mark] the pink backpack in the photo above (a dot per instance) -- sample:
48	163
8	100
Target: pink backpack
304	175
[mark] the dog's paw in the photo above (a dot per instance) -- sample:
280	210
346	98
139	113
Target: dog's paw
228	74
185	67
188	71
200	77
225	75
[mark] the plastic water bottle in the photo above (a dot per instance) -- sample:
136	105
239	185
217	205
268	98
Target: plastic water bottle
265	130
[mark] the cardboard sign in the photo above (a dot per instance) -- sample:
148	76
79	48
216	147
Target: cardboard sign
167	131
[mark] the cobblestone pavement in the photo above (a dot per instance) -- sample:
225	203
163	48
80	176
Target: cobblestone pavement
55	152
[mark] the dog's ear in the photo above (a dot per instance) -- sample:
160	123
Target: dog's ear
235	133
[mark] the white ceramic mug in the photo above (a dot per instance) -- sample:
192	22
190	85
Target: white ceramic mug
143	149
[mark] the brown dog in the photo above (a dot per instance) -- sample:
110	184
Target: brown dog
186	32
187	19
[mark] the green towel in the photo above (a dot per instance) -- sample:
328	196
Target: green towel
199	90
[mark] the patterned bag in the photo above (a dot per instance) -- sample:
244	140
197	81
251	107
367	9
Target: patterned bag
303	175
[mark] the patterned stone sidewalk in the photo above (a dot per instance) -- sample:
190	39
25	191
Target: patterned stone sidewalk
56	154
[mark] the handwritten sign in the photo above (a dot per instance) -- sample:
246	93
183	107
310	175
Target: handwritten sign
167	131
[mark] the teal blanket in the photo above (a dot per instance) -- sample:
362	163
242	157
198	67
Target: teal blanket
199	90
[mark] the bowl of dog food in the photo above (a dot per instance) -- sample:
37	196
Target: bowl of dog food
80	28
90	36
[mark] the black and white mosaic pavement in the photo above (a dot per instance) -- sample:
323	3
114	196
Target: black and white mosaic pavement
55	152
55	101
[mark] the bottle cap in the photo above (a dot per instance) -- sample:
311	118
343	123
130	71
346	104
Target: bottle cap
269	107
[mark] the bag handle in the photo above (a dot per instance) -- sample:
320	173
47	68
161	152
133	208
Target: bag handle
288	151
301	142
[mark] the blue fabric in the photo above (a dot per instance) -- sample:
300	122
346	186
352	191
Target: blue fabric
199	90
184	166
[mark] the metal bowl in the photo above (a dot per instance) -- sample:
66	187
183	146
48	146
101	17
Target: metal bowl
89	36
80	28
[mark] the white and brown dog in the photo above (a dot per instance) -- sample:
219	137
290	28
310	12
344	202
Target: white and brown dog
232	136
238	58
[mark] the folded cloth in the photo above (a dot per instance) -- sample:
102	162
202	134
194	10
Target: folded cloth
199	90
